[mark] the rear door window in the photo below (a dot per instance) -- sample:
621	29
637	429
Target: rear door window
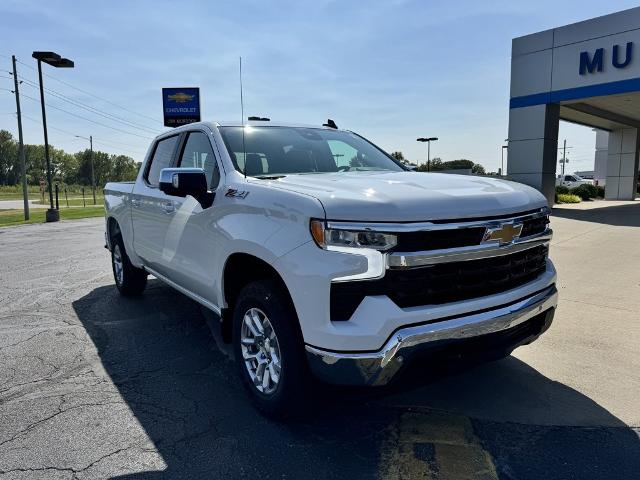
162	158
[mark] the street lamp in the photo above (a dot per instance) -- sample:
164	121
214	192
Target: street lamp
55	60
93	178
428	140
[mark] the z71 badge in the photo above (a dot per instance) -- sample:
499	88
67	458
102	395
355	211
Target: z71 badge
233	193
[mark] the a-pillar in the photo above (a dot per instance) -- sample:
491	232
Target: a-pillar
622	164
533	147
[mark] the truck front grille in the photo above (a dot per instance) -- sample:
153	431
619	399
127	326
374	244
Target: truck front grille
426	240
442	283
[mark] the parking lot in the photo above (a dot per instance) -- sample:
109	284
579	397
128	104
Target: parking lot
93	385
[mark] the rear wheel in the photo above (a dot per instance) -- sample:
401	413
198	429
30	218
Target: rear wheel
269	350
129	279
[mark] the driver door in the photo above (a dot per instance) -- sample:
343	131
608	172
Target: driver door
191	237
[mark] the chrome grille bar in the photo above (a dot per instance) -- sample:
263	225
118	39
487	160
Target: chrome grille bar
474	252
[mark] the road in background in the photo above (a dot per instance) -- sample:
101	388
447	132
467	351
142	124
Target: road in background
19	204
93	385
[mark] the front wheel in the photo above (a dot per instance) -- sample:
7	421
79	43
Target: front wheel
129	279
269	350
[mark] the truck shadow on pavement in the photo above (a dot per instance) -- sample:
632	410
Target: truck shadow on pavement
159	353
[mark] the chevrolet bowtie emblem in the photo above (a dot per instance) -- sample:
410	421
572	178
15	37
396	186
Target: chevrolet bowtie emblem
505	233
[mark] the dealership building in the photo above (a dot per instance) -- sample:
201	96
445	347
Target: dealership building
587	73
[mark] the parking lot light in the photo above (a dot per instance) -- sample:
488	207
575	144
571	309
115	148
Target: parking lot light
428	140
55	60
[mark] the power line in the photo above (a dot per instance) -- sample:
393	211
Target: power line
75	135
71	134
48	126
89	108
92	95
87	119
102	142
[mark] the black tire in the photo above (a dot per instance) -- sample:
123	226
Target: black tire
290	394
133	280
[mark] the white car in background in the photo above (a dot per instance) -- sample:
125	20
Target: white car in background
572	181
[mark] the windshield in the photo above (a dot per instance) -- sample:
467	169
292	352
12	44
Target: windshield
281	150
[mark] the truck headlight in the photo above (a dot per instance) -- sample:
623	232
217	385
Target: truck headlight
326	238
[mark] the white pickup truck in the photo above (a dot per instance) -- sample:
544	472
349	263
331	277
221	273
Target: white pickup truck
325	257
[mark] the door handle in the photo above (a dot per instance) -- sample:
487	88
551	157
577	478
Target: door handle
168	207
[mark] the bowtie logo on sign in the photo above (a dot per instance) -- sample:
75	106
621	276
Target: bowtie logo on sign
595	63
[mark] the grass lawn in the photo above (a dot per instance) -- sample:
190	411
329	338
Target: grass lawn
16	216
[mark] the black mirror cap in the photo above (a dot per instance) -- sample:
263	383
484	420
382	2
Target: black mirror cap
180	182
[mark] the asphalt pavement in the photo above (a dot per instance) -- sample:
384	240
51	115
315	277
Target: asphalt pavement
93	385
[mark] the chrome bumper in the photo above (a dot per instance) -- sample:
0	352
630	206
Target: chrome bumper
378	368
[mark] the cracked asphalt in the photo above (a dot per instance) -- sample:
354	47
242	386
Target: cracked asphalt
93	385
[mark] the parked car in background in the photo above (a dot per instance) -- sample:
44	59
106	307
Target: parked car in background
572	181
322	255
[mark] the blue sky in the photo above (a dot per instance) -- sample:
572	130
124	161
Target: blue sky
391	70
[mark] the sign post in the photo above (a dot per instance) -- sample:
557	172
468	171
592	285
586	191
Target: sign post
180	106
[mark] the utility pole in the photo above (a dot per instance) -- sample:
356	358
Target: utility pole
564	156
93	178
23	163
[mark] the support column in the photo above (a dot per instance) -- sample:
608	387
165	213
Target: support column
601	156
622	164
533	147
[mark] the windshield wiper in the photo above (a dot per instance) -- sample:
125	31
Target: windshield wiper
269	177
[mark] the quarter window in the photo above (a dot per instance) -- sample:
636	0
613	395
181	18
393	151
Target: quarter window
198	153
162	157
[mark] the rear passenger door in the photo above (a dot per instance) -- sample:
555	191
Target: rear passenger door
152	209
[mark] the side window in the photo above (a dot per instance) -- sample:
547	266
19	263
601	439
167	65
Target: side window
198	153
162	157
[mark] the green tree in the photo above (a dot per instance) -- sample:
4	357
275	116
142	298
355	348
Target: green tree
36	165
461	164
434	165
398	156
478	169
9	171
123	168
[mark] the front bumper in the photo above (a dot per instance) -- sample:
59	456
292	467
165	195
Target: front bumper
379	367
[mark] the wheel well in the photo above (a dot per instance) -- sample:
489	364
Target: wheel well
113	230
240	270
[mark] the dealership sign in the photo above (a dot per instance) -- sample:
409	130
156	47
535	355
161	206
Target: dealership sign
180	106
594	63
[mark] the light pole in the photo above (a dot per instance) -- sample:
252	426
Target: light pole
428	140
55	60
93	178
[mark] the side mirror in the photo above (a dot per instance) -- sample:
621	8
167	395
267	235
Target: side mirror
180	182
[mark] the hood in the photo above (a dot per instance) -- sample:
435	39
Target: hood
411	196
